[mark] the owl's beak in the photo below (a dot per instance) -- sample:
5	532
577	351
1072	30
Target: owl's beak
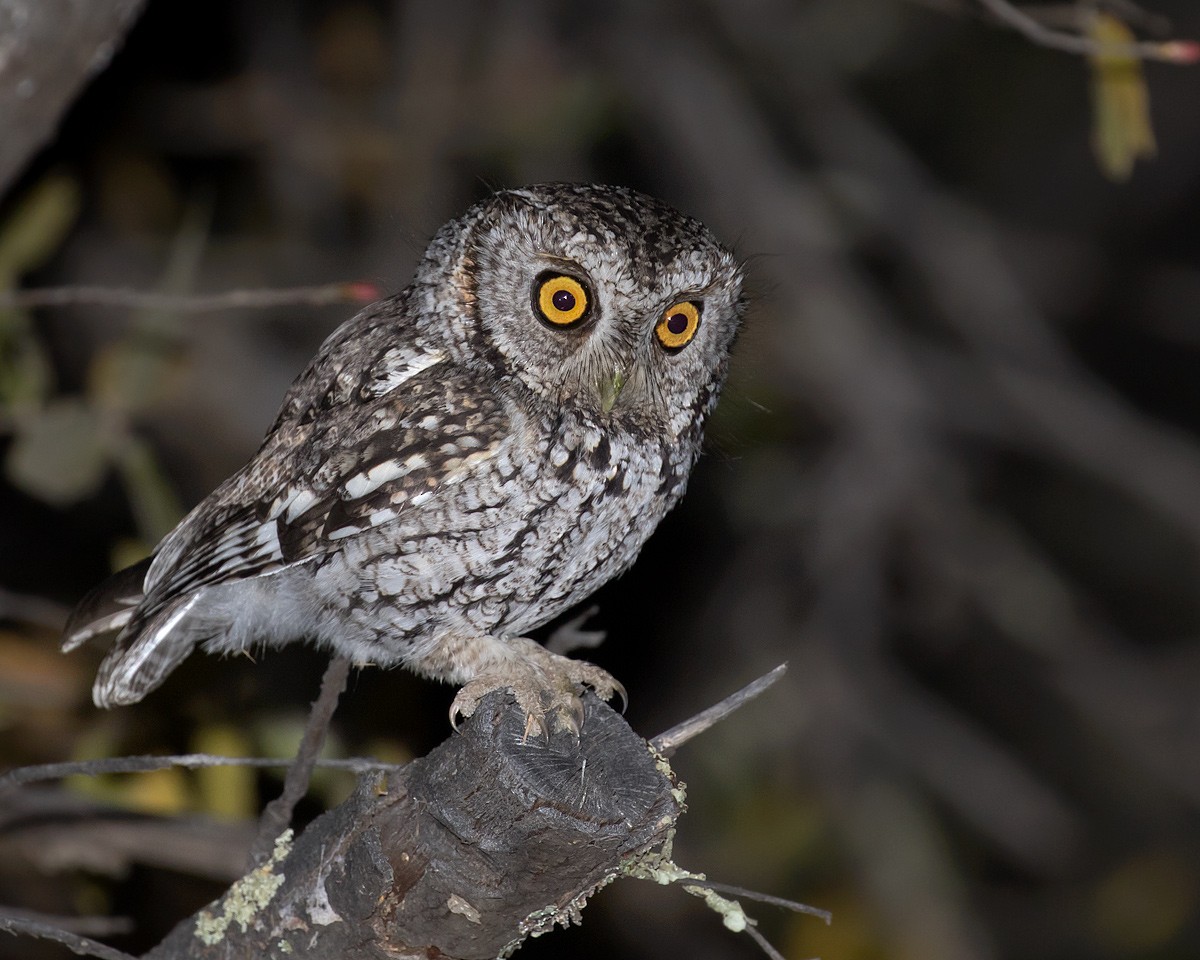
610	389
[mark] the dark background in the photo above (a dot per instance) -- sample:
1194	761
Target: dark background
954	480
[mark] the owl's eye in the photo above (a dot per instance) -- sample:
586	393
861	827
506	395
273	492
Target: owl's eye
678	325
560	300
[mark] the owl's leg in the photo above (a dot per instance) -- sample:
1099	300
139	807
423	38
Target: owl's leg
547	686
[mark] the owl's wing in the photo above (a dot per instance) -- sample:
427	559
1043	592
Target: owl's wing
361	468
390	444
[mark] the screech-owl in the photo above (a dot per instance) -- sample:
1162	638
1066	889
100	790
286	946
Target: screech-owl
460	463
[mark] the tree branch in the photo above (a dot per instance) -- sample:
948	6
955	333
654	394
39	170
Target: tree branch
1169	51
188	761
83	946
278	813
348	292
669	741
463	853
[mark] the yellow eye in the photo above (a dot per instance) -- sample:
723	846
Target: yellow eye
561	301
678	325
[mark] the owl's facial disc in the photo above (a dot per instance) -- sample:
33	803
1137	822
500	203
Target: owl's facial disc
597	299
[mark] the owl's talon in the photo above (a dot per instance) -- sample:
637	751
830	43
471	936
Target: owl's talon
467	699
570	716
548	687
535	725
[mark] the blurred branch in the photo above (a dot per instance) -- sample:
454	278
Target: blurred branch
72	941
84	926
58	831
26	608
1168	51
278	813
348	292
188	761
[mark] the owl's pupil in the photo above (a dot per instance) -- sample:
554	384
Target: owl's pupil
563	300
677	323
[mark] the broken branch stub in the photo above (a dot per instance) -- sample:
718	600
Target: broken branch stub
490	838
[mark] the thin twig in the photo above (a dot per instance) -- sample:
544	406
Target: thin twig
278	813
1169	51
83	946
669	741
348	292
764	943
745	894
188	761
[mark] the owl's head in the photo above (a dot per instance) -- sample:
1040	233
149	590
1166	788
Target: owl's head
594	297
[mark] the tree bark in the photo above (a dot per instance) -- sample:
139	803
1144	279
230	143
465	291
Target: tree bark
490	838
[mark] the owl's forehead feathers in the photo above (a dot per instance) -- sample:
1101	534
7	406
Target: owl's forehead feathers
632	238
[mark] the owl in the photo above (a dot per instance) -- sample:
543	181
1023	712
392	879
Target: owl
460	463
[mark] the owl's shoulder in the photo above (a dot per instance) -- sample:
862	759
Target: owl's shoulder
368	356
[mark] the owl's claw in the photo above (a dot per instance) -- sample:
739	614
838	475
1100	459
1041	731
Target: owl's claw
619	690
547	687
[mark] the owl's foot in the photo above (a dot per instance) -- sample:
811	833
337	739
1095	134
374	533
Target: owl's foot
547	687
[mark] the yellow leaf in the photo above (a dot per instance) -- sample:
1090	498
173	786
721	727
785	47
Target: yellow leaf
164	792
1121	129
229	792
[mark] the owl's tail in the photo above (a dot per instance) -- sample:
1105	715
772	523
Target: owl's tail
106	607
147	648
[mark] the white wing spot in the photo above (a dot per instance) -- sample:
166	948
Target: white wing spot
362	484
378	517
299	503
400	366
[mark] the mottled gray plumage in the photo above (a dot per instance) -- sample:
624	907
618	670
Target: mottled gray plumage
461	462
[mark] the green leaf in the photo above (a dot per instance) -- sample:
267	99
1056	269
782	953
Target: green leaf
59	453
38	224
